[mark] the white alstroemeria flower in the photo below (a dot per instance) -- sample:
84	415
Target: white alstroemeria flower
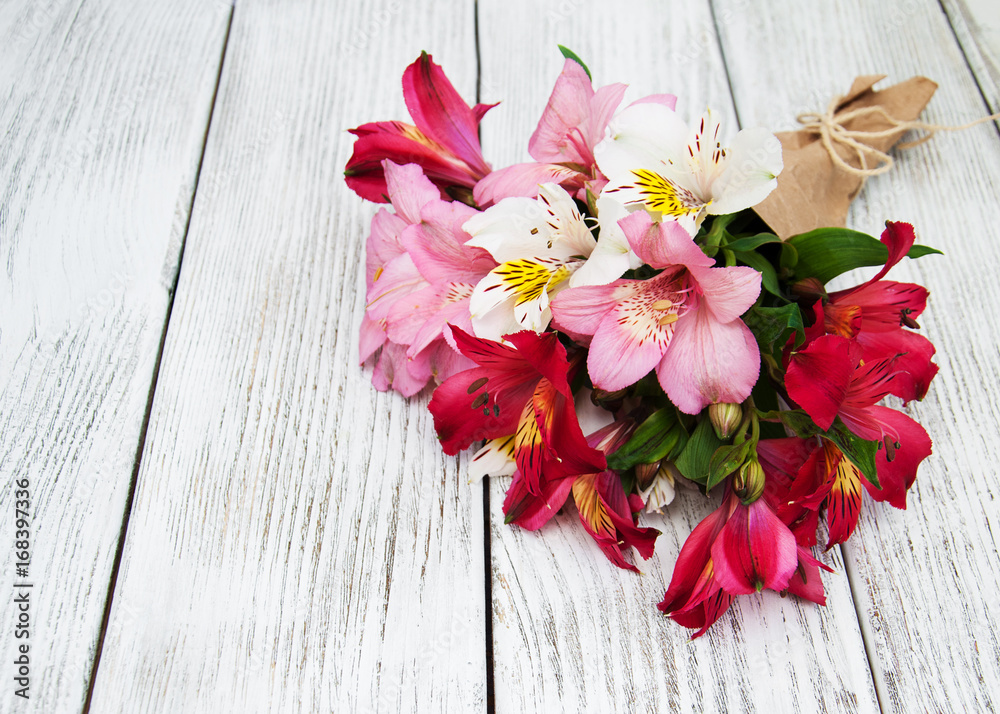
539	244
653	161
660	492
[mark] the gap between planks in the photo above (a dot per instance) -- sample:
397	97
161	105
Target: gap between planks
105	618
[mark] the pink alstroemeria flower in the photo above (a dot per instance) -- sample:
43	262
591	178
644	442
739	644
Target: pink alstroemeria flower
522	390
573	123
684	322
444	142
420	276
877	313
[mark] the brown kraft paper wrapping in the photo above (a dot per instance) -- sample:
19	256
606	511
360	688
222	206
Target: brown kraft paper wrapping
812	191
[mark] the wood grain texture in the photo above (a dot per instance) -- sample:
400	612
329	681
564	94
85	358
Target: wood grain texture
103	107
298	540
926	579
977	26
571	631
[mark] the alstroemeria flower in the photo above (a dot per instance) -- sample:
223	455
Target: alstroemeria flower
539	244
877	314
684	322
654	162
755	550
606	513
444	142
573	123
522	390
420	276
695	598
829	378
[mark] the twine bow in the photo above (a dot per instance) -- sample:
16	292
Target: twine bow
832	130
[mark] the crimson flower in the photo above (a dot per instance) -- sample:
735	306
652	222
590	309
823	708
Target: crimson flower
829	378
444	142
738	549
876	315
523	390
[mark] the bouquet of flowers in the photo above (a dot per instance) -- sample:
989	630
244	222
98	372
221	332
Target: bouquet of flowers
613	320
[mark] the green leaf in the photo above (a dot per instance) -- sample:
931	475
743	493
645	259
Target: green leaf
726	460
789	256
772	326
768	277
826	253
919	251
652	441
860	451
796	420
695	460
570	54
753	242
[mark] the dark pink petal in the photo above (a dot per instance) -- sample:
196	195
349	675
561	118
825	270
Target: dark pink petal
898	238
458	423
609	488
884	304
441	114
546	355
912	354
805	581
532	511
705	614
754	551
695	559
402	144
819	376
897	476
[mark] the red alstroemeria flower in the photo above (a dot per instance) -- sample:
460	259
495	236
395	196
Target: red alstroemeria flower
444	142
738	549
828	378
605	511
695	599
754	551
522	390
876	314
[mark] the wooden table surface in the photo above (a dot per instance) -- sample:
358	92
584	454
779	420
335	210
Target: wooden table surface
225	516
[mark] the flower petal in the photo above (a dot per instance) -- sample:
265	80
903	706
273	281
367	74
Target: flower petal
708	362
439	112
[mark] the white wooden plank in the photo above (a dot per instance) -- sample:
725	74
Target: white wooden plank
571	631
977	27
926	579
103	106
298	540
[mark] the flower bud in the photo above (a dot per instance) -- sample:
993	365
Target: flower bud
725	416
748	483
811	289
612	401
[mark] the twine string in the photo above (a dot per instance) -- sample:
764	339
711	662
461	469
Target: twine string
832	131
